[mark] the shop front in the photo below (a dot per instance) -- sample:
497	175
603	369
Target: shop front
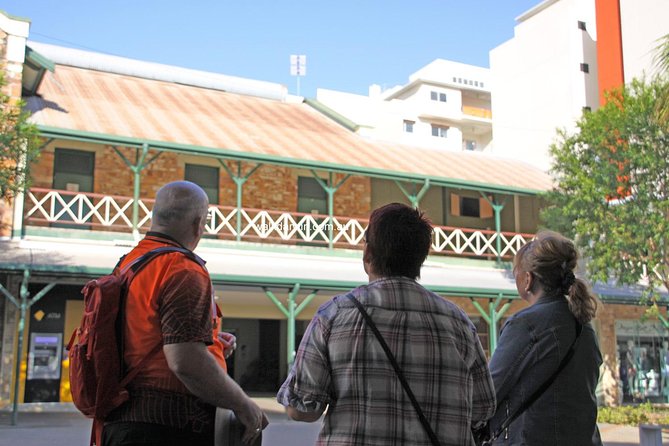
643	359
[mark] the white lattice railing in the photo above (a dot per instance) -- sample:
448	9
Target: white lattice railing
477	242
48	206
73	208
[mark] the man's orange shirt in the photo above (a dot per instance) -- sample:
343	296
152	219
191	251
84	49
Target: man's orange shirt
169	301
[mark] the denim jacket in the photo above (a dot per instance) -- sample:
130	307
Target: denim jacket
531	345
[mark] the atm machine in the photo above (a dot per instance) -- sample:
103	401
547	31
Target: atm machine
43	374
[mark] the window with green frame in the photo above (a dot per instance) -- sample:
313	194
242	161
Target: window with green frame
206	177
73	171
311	197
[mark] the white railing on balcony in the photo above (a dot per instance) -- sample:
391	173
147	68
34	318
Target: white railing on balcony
285	226
56	207
60	206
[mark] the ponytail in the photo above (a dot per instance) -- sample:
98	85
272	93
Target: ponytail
552	259
582	303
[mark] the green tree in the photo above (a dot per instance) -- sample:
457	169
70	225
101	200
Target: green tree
19	144
611	189
661	59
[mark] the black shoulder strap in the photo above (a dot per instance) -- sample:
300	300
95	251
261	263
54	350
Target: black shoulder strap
537	393
398	371
137	264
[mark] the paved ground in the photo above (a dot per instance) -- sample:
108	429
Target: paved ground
63	426
614	435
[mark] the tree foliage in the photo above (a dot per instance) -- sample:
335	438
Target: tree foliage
612	187
661	59
19	144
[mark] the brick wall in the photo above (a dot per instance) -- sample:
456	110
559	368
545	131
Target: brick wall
354	198
42	170
270	188
113	176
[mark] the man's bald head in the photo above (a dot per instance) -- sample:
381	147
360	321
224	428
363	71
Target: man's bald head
179	210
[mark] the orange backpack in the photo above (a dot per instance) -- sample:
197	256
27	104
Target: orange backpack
96	358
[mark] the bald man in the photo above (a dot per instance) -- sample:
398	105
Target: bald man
170	303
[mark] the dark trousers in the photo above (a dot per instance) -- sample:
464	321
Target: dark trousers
147	434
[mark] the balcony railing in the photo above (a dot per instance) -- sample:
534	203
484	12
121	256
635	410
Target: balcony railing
89	211
86	209
477	111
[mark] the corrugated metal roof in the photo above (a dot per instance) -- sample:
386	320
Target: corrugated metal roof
111	104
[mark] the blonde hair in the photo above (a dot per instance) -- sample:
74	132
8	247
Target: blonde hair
551	258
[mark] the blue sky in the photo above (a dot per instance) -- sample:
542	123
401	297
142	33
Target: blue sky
349	44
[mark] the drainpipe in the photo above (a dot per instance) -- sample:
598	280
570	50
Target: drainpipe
239	180
330	190
23	305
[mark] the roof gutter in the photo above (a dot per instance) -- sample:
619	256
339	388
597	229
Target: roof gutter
330	113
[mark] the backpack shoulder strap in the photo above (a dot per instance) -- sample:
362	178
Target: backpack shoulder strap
130	270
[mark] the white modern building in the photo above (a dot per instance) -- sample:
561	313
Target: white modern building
444	106
563	56
545	76
642	22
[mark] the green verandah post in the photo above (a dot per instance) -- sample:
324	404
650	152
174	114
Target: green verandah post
663	319
414	197
497	208
139	165
239	180
492	317
330	190
291	314
23	304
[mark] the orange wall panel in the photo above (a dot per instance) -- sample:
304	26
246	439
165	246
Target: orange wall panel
609	47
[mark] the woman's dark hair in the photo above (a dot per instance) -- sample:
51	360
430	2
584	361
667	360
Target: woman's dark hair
398	240
551	259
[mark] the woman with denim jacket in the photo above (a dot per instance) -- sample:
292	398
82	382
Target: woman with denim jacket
534	341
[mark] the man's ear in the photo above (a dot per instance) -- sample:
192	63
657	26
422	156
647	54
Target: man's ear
366	254
198	226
